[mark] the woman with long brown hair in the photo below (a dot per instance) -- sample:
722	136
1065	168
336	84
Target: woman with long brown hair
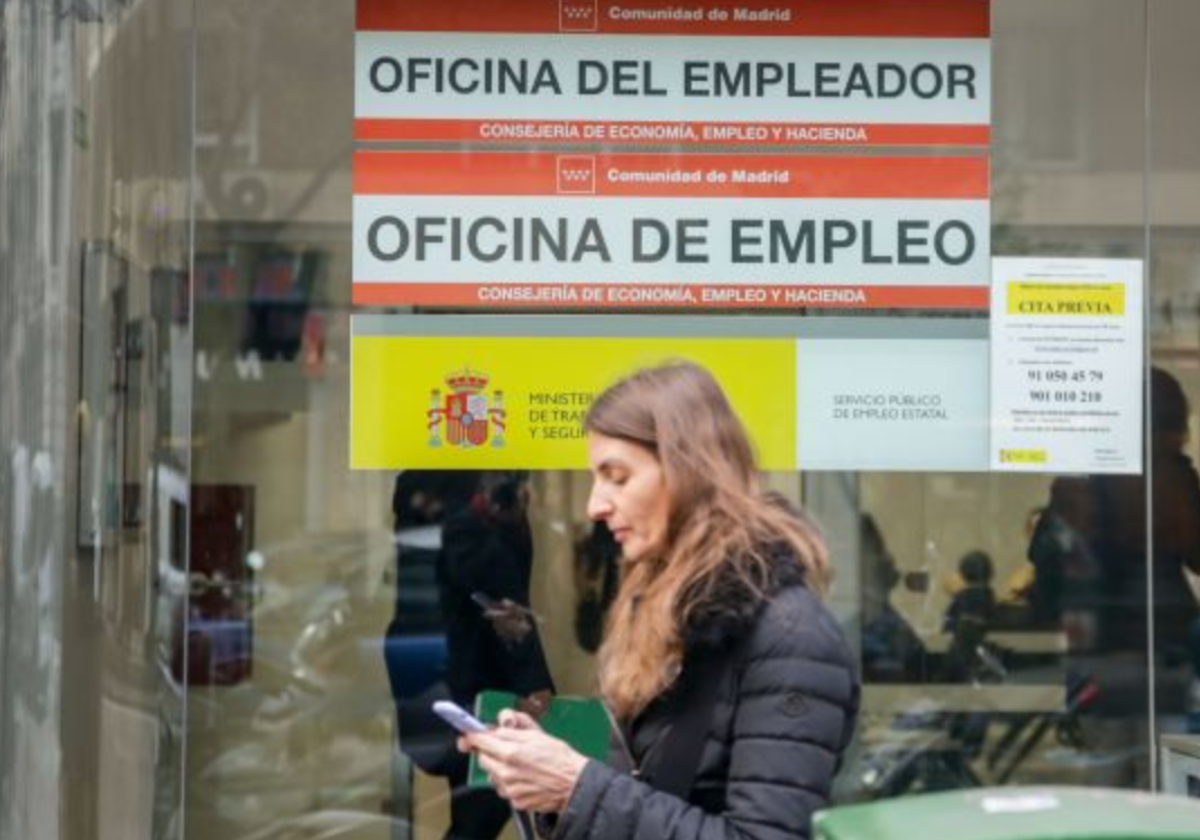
731	684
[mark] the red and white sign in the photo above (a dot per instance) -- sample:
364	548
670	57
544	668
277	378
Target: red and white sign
541	229
824	18
715	72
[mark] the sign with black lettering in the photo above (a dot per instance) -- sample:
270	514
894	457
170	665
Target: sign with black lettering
1067	360
827	72
699	230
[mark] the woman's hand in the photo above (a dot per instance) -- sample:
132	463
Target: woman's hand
532	770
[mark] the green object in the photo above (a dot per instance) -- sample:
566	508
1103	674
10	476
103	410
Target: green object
580	721
1016	813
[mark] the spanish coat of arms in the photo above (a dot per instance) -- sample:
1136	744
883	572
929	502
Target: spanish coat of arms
467	413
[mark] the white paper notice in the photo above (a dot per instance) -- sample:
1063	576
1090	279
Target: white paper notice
1066	365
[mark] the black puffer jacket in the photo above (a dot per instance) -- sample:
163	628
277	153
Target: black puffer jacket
778	730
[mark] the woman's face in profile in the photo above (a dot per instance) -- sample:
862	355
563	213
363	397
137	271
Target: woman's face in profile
629	494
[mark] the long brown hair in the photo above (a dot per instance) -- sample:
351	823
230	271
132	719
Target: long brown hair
719	521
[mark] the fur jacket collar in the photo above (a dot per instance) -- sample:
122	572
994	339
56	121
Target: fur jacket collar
729	613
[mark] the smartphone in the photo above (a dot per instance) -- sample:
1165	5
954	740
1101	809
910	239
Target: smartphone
458	717
486	601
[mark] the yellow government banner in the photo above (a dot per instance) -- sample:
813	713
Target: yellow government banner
518	403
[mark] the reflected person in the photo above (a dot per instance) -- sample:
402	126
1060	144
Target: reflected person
484	575
969	617
1093	537
892	652
1094	571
